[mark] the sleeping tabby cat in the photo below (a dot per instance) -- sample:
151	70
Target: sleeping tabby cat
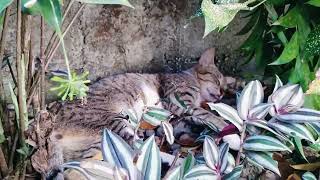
75	129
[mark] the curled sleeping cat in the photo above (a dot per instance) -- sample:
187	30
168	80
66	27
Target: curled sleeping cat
75	129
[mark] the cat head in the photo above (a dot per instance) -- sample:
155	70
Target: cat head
211	80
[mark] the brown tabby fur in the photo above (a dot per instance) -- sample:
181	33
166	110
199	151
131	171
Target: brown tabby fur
75	130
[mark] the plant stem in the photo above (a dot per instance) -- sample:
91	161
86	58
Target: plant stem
243	135
42	59
20	74
2	45
54	36
57	43
3	164
49	58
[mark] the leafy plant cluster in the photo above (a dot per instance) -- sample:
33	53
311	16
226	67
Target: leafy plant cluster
279	125
283	36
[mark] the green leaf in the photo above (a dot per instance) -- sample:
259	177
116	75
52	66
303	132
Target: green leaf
31	7
314	3
312	46
308	176
256	35
251	23
218	16
234	174
298	145
4	4
187	164
149	162
290	52
264	159
121	2
291	19
264	143
51	12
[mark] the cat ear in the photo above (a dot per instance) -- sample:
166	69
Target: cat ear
207	58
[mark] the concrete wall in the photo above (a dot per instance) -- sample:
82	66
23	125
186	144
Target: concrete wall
114	39
108	39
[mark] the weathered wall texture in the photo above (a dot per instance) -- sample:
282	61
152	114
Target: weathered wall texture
109	39
113	39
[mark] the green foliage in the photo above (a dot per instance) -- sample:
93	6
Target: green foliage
225	11
4	4
294	60
76	86
314	3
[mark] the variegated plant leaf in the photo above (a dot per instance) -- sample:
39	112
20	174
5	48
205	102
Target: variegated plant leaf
223	156
302	115
168	131
149	162
117	152
309	176
278	84
231	163
201	172
175	99
234	174
259	111
120	2
316	127
155	116
264	143
251	96
290	129
102	170
233	140
264	159
264	125
228	113
210	152
174	174
298	145
287	95
187	164
218	16
133	117
159	113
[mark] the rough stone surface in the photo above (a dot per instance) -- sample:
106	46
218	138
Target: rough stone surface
113	39
110	39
